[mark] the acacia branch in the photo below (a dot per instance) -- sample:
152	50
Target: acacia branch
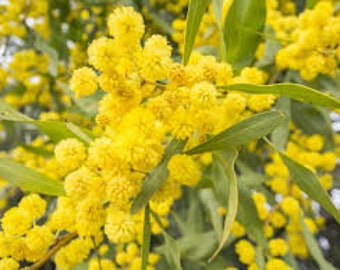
58	244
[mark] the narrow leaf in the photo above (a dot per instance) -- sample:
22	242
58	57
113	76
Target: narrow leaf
310	184
196	11
228	162
294	91
247	215
156	177
314	248
243	28
218	8
41	45
28	179
313	120
171	249
7	112
146	237
58	131
55	130
242	132
211	204
280	135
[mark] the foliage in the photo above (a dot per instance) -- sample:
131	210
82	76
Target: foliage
168	134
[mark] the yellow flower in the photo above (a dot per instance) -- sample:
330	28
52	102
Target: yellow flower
290	206
183	169
70	153
9	264
126	25
83	82
278	247
16	221
33	205
245	251
277	264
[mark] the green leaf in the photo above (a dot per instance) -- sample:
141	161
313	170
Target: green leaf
247	215
41	45
191	245
291	90
55	130
211	204
271	47
28	179
58	131
310	184
146	238
242	132
280	135
313	120
249	177
218	8
171	249
243	28
314	248
196	11
311	3
7	112
227	160
156	177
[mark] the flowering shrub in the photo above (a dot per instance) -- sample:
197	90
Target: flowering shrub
188	138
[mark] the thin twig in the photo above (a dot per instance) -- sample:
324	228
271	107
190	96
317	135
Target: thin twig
59	244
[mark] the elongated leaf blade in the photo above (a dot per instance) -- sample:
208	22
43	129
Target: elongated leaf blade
243	28
309	183
146	238
242	132
171	249
156	177
280	135
227	161
314	248
8	113
196	11
291	90
247	215
312	120
28	179
55	130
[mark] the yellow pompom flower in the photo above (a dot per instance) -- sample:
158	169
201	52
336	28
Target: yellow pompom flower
290	206
126	25
238	229
83	82
33	205
9	264
183	169
90	216
120	227
277	264
277	219
245	251
38	239
70	153
104	264
16	221
278	247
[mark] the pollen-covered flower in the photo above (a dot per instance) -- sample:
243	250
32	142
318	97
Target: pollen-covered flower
70	153
126	25
83	82
183	169
33	205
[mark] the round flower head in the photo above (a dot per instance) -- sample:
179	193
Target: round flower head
126	25
70	153
83	82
